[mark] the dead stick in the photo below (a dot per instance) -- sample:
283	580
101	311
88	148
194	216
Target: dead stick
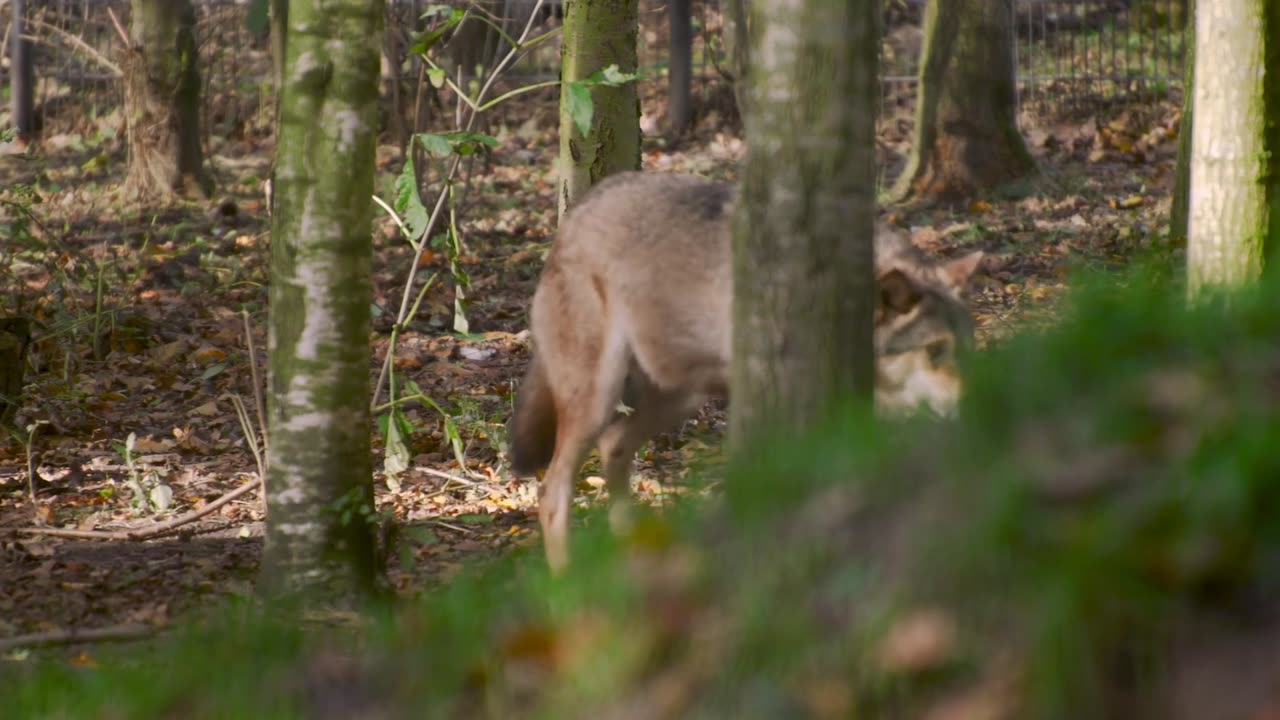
156	530
65	637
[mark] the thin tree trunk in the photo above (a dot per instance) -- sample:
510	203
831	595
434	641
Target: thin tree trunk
320	523
162	102
680	67
966	133
21	76
803	254
597	34
1178	213
1271	98
1228	198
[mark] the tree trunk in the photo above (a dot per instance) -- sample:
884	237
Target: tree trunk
320	522
162	102
279	37
1182	168
597	34
1228	198
1271	98
803	252
21	76
680	67
966	134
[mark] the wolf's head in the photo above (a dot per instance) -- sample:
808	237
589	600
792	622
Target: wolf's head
922	324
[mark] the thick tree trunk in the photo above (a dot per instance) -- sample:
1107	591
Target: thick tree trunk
320	523
803	254
1178	213
1228	198
966	134
162	102
680	67
597	34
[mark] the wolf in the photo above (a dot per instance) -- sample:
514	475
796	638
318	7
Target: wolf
631	329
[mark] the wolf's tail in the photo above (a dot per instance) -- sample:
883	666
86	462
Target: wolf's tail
531	431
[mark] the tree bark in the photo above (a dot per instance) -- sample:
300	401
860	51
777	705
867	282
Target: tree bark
162	102
803	254
597	34
1178	213
1228	204
320	523
966	134
680	67
1271	99
21	76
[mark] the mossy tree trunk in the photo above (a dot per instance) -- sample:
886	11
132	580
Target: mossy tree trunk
1228	203
966	133
320	523
162	102
597	34
803	254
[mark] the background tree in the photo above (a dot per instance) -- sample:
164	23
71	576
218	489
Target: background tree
320	524
597	34
680	66
1182	167
162	101
803	255
1228	198
21	75
966	135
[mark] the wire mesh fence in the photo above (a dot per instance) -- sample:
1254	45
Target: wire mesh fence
1071	54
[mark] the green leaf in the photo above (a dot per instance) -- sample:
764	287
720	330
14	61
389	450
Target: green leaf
433	144
475	519
258	16
611	76
436	76
409	203
396	459
581	108
213	370
428	39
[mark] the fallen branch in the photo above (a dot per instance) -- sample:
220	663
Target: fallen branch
451	477
77	43
66	637
147	533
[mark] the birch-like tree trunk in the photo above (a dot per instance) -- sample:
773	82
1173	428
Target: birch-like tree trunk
966	133
1228	200
597	34
320	522
162	102
803	255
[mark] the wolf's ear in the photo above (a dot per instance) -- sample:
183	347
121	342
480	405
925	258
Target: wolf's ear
957	272
897	293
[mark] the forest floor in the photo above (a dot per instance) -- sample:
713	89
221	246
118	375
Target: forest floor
140	332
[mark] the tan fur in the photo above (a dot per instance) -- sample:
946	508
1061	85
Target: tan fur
634	309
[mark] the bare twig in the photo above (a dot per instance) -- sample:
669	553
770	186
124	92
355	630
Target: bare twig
124	36
77	43
434	217
147	533
131	631
257	387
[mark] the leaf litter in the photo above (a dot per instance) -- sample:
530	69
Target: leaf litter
165	356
